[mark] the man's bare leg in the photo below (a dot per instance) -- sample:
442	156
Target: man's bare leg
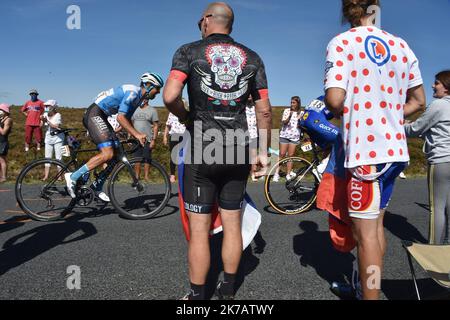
370	256
199	253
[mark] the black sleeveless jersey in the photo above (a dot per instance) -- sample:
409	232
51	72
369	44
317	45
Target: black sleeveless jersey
220	75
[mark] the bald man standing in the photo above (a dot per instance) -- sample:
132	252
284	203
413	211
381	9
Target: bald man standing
220	75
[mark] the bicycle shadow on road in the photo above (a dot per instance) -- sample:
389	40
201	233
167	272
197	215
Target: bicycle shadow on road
270	210
105	210
249	262
42	239
12	223
402	229
316	250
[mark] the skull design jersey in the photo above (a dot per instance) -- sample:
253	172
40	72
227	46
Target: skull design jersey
220	75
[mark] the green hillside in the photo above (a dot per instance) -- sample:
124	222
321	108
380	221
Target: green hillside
72	118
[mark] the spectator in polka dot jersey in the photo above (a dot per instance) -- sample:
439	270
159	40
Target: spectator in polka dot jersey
372	81
290	135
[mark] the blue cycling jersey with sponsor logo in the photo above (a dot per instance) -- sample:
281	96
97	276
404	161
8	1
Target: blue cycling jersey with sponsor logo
316	121
124	99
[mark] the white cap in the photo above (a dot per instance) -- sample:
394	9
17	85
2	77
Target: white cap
51	103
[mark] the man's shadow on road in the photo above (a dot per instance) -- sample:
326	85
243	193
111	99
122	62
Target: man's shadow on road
12	223
41	239
402	229
249	262
316	250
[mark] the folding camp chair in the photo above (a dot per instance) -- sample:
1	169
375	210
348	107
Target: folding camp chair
435	260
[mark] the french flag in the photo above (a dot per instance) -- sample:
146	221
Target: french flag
332	197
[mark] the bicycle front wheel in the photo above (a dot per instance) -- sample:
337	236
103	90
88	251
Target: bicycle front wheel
43	200
145	200
295	193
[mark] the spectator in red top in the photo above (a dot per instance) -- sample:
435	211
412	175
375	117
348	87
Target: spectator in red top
33	109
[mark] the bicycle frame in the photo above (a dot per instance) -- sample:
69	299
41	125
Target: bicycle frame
120	156
314	163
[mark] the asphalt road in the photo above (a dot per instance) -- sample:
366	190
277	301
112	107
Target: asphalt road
292	258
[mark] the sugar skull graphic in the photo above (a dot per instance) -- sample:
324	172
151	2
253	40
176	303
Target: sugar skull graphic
227	62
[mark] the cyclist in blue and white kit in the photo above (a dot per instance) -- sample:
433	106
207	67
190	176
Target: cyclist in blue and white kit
123	101
316	122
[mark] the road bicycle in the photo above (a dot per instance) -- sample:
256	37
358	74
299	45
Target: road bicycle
131	197
295	193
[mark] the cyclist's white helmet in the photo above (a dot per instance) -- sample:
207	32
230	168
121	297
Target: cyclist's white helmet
154	79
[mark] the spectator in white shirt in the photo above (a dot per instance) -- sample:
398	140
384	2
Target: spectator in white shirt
53	140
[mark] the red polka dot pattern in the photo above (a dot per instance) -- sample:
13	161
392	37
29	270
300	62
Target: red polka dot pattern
375	96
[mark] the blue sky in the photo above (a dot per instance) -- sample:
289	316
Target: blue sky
119	40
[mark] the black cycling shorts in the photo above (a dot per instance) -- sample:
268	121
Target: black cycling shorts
205	185
144	152
4	147
99	129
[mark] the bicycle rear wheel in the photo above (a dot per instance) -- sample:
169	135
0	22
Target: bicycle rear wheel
145	201
43	200
296	195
